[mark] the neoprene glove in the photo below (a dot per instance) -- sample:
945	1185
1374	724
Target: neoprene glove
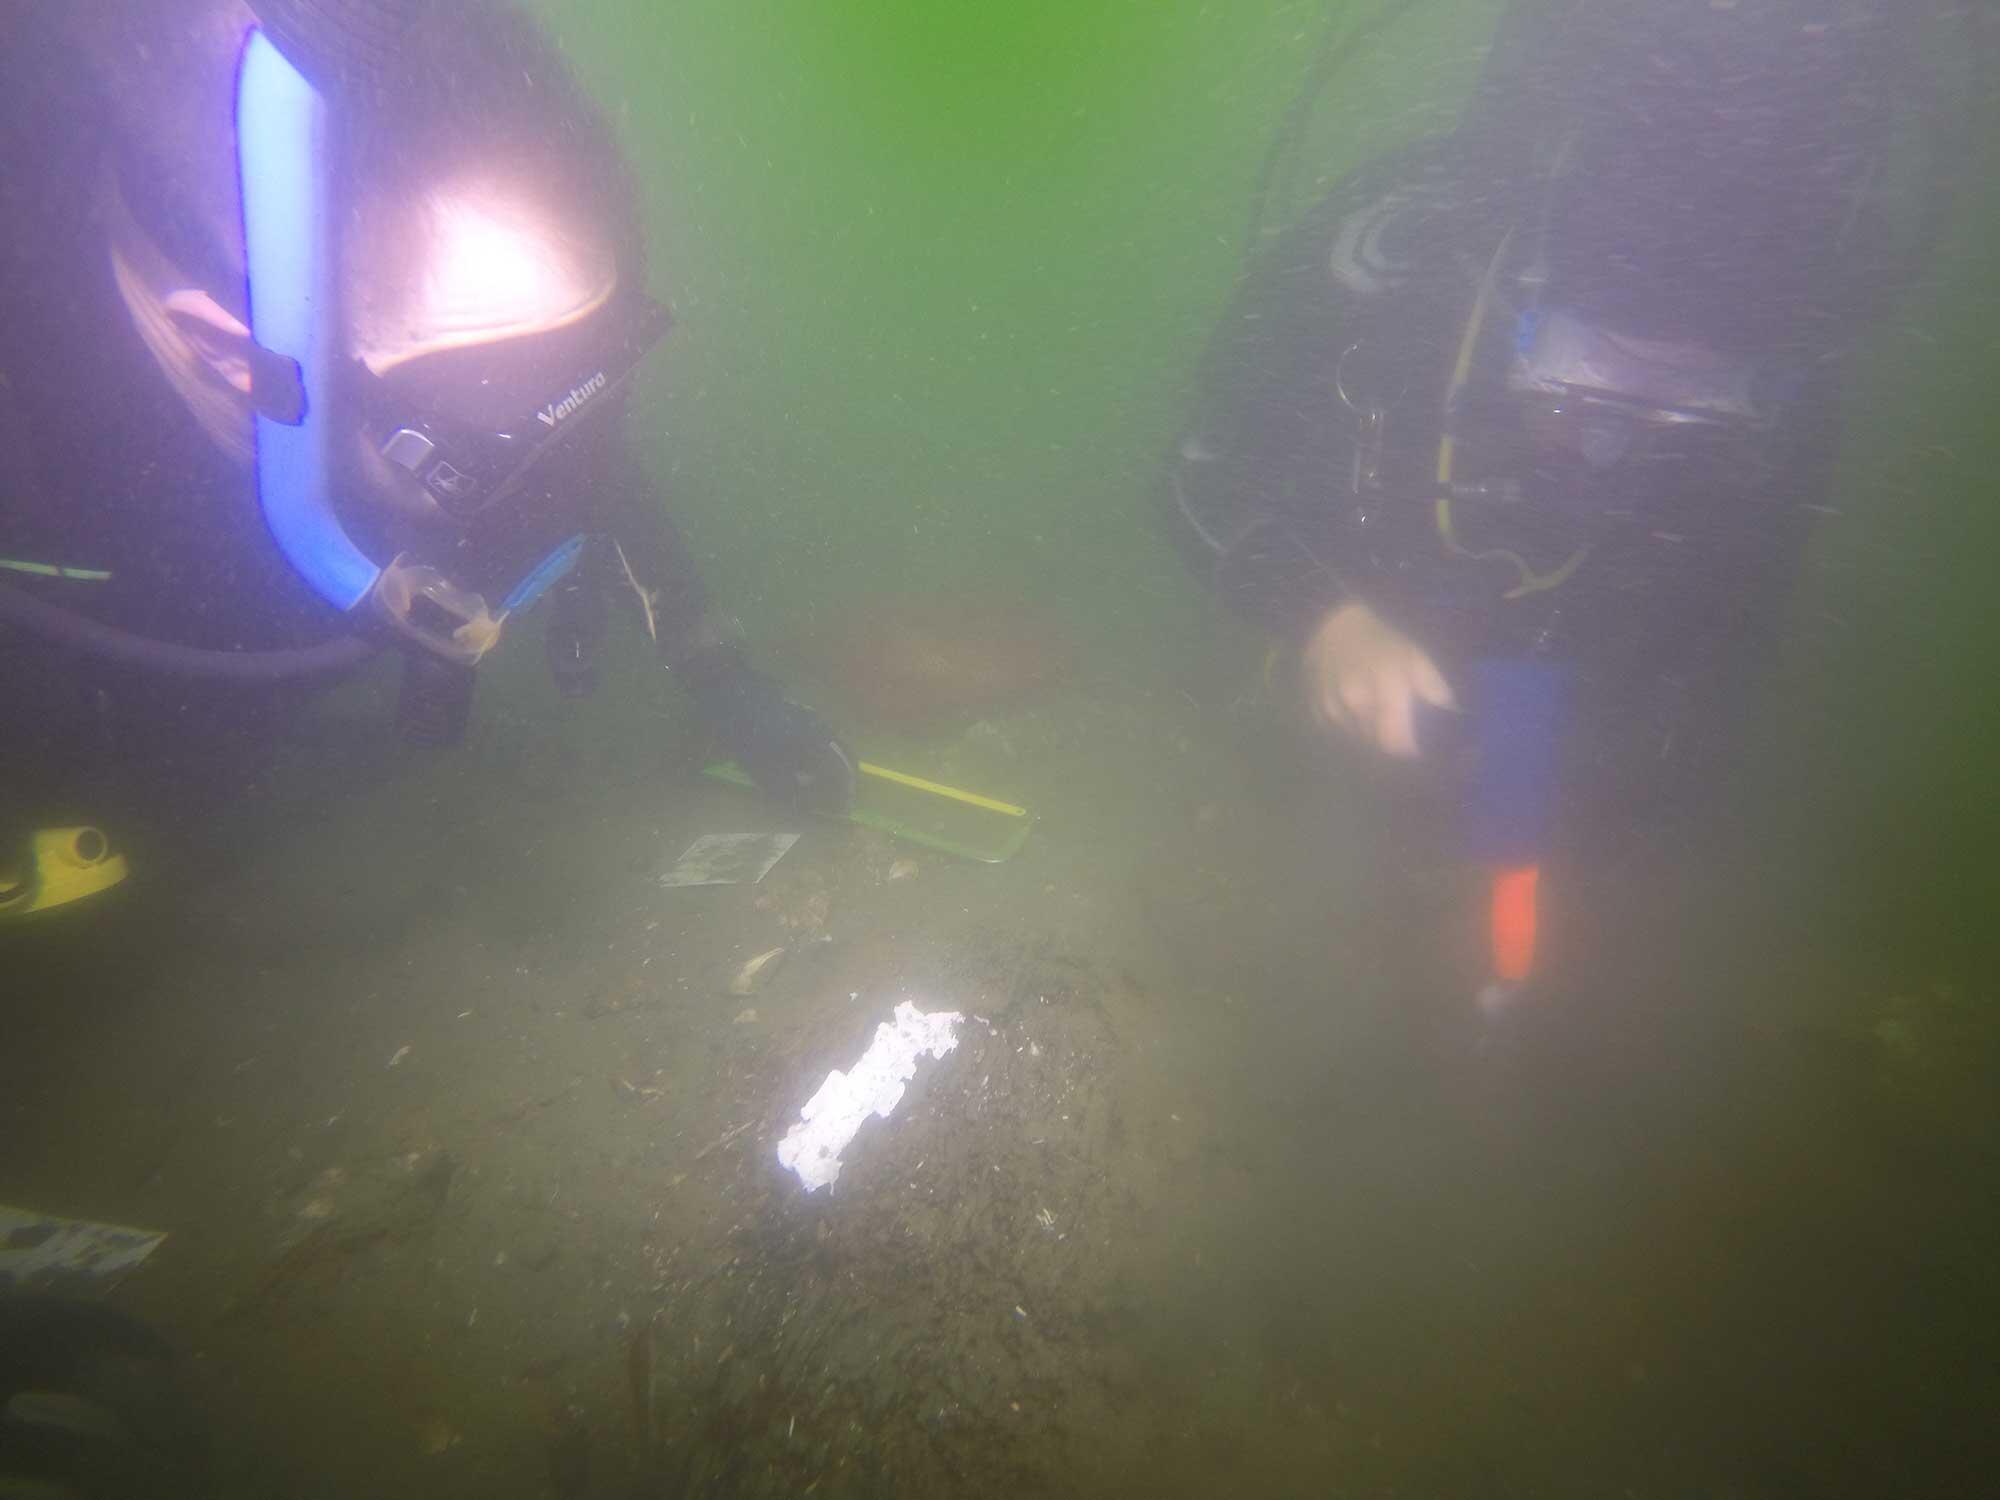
576	630
789	750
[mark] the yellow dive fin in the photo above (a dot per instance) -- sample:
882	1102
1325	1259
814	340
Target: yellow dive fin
64	865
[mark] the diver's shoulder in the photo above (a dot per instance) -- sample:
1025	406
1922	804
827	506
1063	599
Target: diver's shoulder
1397	219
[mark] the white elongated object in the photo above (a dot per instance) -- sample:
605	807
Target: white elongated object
829	1119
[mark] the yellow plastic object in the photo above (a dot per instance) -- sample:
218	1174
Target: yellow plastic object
66	864
54	570
938	789
948	819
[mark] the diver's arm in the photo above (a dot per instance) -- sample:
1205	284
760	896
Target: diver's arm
1263	491
1332	321
640	560
1359	674
789	751
1248	488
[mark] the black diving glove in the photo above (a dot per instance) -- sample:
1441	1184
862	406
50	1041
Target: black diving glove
789	750
434	703
576	629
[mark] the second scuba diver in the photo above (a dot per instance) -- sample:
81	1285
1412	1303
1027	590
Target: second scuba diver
1512	441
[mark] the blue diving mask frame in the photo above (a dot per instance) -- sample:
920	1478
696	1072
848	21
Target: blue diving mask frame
284	149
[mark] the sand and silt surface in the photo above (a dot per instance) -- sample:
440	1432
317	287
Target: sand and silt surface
467	1151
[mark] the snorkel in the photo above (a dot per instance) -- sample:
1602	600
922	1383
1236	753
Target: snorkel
291	267
285	159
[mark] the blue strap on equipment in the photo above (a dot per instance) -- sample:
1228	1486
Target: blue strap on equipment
281	150
1519	709
544	575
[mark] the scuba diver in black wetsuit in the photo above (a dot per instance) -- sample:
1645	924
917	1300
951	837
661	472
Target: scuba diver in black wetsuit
319	319
1513	439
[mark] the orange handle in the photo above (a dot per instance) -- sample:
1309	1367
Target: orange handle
1514	922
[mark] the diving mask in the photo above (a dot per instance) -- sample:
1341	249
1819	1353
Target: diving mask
468	448
468	424
1655	382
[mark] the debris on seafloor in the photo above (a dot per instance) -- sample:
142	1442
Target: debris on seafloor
724	1139
37	1247
933	1234
342	1216
626	1088
829	1120
729	859
902	869
436	1434
756	972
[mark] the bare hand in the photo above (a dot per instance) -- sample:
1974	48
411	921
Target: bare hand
1365	677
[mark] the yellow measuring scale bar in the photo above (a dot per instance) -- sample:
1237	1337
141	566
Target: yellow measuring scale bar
930	825
971	799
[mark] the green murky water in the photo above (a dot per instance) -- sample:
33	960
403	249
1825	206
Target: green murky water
1721	1223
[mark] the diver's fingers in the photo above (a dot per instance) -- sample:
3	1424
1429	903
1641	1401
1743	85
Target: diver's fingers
1396	724
1323	691
1358	696
1430	684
